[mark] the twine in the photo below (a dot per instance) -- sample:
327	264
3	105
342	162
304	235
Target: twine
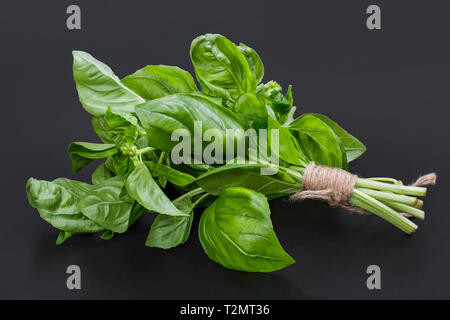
335	186
426	180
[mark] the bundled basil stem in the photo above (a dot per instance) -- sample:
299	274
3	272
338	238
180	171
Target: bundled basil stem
136	117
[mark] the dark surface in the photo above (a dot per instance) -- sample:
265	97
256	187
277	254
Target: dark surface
390	88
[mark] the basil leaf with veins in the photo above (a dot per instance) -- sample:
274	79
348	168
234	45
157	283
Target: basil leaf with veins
82	153
57	203
142	187
103	205
236	232
157	81
99	88
220	67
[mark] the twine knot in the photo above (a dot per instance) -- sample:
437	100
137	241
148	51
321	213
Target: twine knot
335	186
332	185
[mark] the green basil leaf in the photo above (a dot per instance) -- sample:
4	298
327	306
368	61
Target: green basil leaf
236	232
162	181
57	203
281	105
120	164
116	127
254	61
352	146
82	153
101	174
77	187
107	235
199	167
52	197
154	82
192	169
103	205
289	96
251	111
141	187
248	176
160	117
265	90
102	129
142	142
98	87
318	141
125	196
122	124
287	148
62	237
136	213
176	177
221	69
170	231
290	117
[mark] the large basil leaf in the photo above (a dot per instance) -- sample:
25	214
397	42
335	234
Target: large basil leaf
51	197
82	153
176	177
287	148
352	146
318	141
254	61
236	232
98	87
170	231
251	111
57	203
160	117
141	187
103	205
76	187
154	82
248	176
221	69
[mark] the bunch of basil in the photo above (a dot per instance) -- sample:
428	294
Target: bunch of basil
135	117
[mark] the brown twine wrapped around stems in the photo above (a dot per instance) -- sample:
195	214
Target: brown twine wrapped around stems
335	186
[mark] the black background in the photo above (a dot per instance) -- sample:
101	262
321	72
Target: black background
389	87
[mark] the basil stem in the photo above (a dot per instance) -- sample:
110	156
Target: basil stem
364	201
416	213
399	189
380	195
382	201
